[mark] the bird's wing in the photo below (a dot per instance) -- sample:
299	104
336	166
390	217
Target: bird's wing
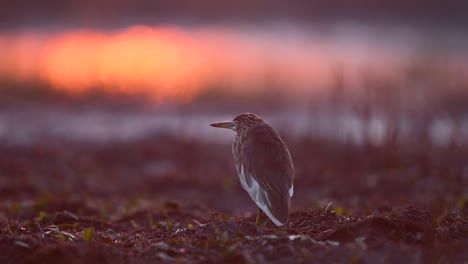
267	169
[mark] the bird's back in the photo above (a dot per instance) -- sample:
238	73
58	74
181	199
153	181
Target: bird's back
265	169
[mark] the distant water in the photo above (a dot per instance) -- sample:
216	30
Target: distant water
28	126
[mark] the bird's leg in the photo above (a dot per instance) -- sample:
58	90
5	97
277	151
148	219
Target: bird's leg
259	217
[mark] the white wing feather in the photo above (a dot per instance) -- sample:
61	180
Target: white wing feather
255	192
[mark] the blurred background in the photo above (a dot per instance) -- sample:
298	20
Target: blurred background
341	70
116	97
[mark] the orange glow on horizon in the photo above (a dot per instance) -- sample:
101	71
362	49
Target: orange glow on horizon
167	62
132	61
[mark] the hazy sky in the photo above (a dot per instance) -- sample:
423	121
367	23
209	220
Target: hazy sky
179	48
90	13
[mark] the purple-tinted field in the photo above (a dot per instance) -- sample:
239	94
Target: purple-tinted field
169	198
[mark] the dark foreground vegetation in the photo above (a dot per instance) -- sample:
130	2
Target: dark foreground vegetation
163	199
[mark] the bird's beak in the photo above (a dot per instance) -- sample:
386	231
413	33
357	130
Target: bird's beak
227	124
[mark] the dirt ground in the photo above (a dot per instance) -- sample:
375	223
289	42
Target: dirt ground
166	199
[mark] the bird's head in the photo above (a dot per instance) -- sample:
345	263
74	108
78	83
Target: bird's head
240	122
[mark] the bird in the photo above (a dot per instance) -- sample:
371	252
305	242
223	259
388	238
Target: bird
264	166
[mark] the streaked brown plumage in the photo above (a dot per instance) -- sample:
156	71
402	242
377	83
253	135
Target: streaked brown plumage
263	164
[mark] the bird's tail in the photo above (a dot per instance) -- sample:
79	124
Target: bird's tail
279	208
